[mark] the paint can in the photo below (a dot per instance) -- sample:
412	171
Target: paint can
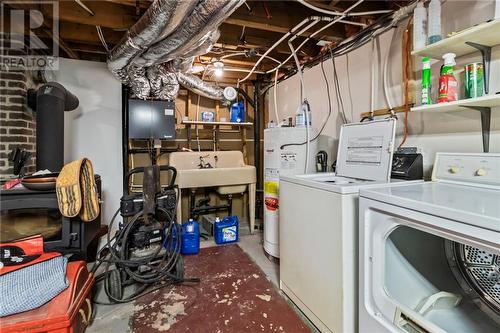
474	80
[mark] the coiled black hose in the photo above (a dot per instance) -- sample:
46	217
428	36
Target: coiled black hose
159	272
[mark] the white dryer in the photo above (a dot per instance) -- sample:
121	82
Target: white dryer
430	252
319	240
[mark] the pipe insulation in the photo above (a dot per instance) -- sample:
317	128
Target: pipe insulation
200	87
156	54
146	31
205	18
163	83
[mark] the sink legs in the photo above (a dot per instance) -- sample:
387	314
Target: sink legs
179	207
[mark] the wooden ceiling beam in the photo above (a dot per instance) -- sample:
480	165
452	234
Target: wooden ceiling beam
87	34
107	15
45	30
87	48
131	3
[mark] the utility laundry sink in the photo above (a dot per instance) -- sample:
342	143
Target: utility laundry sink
224	170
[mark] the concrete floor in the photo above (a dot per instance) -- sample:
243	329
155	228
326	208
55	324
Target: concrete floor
115	318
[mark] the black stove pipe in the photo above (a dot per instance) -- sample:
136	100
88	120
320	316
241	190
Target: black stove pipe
52	100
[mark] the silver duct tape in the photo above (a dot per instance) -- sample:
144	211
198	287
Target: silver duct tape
138	82
206	17
142	34
198	86
163	83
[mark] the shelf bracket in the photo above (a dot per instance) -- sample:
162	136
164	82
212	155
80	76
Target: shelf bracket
485	124
486	54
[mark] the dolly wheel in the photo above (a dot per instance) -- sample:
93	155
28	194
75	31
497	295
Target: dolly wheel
115	284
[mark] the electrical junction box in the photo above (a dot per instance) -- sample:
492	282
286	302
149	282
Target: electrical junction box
151	119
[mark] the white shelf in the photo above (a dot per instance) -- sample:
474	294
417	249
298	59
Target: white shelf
483	101
487	34
214	123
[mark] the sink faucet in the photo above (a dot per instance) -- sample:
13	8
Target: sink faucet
204	165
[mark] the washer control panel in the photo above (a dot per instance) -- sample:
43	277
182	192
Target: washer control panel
481	168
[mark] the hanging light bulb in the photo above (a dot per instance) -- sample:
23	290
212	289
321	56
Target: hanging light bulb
219	68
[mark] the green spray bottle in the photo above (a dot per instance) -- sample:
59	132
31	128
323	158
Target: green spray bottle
426	81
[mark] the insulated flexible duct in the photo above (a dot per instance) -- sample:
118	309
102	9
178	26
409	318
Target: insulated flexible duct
138	82
163	84
205	45
206	17
197	85
161	18
170	29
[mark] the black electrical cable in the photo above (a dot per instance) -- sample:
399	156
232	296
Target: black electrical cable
327	118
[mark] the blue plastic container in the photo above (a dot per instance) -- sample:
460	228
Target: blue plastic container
226	231
237	112
190	239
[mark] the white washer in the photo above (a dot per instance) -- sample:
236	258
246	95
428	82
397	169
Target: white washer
319	236
429	256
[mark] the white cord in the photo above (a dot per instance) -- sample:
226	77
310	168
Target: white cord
285	36
101	38
302	102
372	77
331	12
332	22
385	79
198	115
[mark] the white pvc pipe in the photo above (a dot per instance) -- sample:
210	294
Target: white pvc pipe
335	13
332	22
285	36
244	54
276	98
241	70
386	72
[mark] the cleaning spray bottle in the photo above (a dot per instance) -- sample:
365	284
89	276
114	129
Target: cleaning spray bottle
448	86
426	81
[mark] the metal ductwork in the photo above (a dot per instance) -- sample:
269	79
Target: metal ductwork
161	18
156	54
197	85
205	18
163	83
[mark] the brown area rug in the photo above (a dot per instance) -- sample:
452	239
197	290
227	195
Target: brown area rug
233	296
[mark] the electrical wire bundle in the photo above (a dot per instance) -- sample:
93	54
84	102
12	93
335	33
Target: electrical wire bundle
160	268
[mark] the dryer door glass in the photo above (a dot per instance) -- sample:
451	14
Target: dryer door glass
437	283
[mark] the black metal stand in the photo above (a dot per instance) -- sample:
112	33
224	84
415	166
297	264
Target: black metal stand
486	54
125	150
485	124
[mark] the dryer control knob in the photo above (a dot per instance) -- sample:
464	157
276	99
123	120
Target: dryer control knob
480	172
454	169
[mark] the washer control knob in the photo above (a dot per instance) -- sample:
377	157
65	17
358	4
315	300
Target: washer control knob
454	169
480	172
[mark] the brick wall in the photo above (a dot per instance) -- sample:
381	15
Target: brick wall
17	122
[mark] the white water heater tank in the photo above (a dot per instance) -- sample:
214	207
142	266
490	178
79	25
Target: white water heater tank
280	159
